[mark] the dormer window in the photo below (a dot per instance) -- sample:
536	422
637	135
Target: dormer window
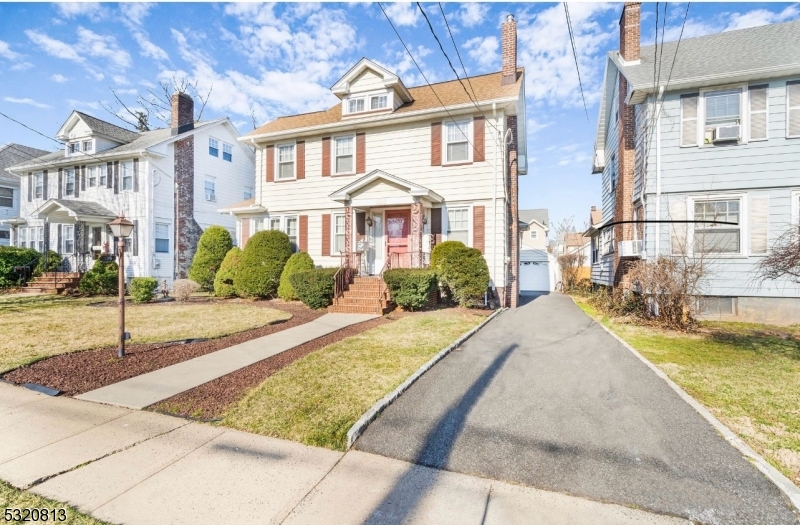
355	105
378	102
74	147
87	145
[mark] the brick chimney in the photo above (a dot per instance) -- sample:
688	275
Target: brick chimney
630	29
509	36
182	113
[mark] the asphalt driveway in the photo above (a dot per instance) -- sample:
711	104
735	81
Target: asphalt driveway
543	396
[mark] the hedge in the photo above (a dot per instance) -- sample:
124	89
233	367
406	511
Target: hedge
10	258
262	263
214	244
298	262
223	281
465	274
142	289
314	287
410	287
102	279
53	262
442	250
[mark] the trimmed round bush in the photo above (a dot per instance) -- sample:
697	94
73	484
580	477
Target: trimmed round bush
262	263
214	244
223	281
442	250
102	279
314	287
142	289
298	262
182	289
410	287
466	275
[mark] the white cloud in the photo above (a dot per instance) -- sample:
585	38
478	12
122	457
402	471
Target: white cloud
726	21
5	52
89	44
130	91
404	67
471	15
83	104
58	78
92	10
27	101
21	66
484	51
133	15
120	80
534	126
54	47
403	13
149	49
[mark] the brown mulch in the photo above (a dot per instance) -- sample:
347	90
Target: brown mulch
79	372
211	400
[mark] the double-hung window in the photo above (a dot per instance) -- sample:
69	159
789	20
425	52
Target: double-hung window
291	231
92	176
127	175
275	223
38	185
102	170
338	233
286	161
614	176
40	238
355	105
87	145
722	107
608	241
68	239
162	237
213	147
793	109
74	147
248	192
5	237
344	155
211	189
456	142
378	102
227	152
458	225
23	237
69	182
6	197
710	237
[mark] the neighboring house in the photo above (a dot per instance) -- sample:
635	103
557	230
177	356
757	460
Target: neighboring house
536	264
168	182
717	137
11	154
377	180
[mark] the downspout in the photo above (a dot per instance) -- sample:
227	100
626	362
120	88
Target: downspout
658	169
507	138
494	200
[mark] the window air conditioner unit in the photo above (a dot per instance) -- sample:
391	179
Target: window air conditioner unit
629	248
726	133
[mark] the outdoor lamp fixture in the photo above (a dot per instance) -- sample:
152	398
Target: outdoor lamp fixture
369	221
121	228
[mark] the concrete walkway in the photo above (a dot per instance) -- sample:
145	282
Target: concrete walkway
142	468
144	390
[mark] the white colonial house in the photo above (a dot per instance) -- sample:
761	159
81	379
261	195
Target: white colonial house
377	180
11	154
168	182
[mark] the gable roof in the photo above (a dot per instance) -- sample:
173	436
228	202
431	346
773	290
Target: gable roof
575	239
451	93
12	154
416	190
342	86
77	209
540	215
101	127
595	216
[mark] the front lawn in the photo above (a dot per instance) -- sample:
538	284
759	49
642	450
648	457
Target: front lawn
11	499
747	375
316	400
32	328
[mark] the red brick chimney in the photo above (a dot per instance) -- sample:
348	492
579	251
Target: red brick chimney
630	29
182	113
509	36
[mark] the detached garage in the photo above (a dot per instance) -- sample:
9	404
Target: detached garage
534	271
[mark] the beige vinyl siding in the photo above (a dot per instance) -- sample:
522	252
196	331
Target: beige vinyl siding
367	81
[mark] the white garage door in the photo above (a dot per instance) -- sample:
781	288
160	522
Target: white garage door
534	276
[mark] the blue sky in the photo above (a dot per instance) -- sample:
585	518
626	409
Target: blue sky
277	59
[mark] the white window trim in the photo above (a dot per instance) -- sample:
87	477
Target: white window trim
795	207
744	113
205	195
744	231
367	96
38	177
222	152
219	149
334	234
278	161
378	96
285	227
333	154
122	167
446	220
766	112
468	133
66	181
168	224
786	104
681	119
64	238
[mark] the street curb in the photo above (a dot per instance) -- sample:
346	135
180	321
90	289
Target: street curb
789	489
369	416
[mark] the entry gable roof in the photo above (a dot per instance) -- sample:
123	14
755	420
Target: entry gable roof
75	209
415	190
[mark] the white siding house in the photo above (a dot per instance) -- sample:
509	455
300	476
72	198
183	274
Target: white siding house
11	154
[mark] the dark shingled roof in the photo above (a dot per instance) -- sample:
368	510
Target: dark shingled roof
11	154
108	129
540	215
85	208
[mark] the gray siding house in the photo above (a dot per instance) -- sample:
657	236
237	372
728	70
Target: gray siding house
714	137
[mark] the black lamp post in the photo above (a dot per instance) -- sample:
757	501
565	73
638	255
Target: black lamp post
121	228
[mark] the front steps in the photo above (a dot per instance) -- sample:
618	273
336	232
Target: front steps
366	295
53	283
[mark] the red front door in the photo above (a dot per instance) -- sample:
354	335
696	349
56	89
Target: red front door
398	228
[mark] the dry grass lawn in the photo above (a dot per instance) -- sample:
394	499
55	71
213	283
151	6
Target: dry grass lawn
747	375
38	327
11	498
316	400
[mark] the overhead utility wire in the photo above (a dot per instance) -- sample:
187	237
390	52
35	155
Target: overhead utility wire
426	78
456	48
677	46
575	54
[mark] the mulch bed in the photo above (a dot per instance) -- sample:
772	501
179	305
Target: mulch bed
211	400
79	372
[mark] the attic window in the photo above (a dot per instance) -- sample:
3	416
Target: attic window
87	145
74	147
378	102
355	105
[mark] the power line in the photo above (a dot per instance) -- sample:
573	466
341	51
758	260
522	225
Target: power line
575	54
677	46
456	48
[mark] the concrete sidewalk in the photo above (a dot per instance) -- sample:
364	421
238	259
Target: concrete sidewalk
141	468
144	390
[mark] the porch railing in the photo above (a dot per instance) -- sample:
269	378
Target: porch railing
350	267
408	260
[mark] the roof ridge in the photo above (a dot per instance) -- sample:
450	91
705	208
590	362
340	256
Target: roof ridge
104	121
732	31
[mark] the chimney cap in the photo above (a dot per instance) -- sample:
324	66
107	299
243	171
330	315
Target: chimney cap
510	17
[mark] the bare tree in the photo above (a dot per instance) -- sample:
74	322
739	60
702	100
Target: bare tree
570	265
783	260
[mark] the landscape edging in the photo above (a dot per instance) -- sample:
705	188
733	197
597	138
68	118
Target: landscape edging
783	483
369	416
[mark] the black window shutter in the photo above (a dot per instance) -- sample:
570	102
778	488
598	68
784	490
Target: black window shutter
109	175
30	186
44	185
83	178
75	247
77	181
135	174
60	189
58	239
116	177
135	237
436	225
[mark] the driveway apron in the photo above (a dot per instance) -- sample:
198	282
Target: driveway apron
543	396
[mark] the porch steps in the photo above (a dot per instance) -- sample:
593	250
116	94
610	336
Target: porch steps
53	283
366	295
